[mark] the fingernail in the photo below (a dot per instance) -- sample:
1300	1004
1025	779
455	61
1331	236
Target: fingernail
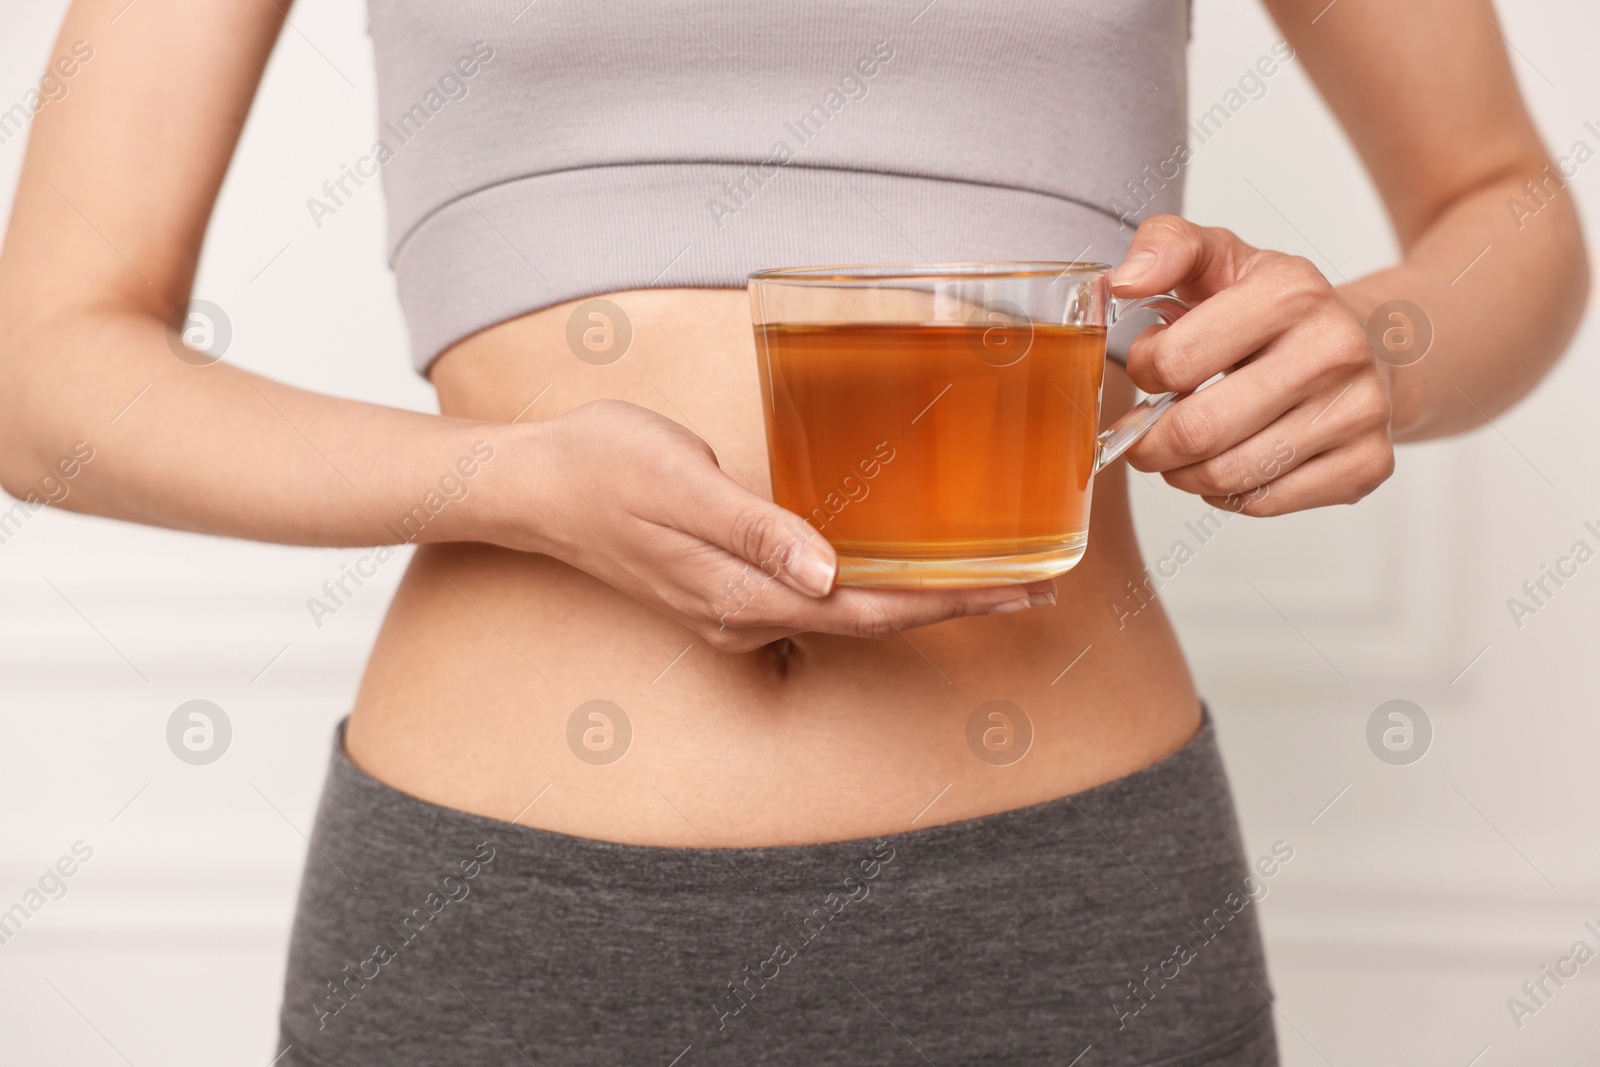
1136	266
812	571
1042	600
1010	606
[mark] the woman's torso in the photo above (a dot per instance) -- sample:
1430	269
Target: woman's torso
661	151
487	654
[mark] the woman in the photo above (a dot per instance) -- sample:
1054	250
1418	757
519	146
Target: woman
769	840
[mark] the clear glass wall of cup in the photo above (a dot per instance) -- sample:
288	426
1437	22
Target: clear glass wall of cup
938	422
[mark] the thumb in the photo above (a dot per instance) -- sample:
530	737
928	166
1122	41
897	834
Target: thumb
1171	253
778	542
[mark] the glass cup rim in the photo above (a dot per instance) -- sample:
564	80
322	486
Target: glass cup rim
953	270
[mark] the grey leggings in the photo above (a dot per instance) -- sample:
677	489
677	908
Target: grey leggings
1113	927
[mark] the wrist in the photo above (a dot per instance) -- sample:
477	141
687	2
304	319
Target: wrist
1394	327
490	490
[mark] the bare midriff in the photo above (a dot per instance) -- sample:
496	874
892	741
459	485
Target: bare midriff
486	653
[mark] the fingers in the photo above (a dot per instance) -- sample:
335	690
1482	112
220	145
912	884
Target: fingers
1320	365
1303	418
675	533
1279	294
763	573
1218	419
775	611
1168	252
1243	469
777	542
1340	476
1356	418
881	612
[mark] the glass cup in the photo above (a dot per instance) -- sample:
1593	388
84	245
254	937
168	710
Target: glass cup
938	423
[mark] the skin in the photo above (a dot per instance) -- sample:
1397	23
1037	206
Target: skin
590	556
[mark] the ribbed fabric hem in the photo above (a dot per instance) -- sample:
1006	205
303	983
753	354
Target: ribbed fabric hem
519	246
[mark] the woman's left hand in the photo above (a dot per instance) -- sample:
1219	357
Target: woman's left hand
1303	418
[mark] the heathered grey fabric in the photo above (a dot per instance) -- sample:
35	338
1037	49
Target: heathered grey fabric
1014	938
591	144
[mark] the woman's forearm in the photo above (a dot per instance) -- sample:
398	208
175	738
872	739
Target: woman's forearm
1499	288
98	415
1497	269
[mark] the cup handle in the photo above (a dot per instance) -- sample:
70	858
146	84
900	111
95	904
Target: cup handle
1121	435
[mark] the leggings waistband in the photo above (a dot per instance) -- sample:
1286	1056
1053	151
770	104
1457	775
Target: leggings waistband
1116	923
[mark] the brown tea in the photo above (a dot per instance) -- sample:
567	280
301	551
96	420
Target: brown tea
925	452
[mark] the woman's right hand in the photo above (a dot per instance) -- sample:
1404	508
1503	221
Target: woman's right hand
638	501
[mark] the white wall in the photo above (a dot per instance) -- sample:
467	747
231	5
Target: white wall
1415	905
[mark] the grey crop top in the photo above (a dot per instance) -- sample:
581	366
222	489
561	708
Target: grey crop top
539	151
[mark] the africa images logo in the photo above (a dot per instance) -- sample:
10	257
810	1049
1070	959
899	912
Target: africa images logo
453	889
743	990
